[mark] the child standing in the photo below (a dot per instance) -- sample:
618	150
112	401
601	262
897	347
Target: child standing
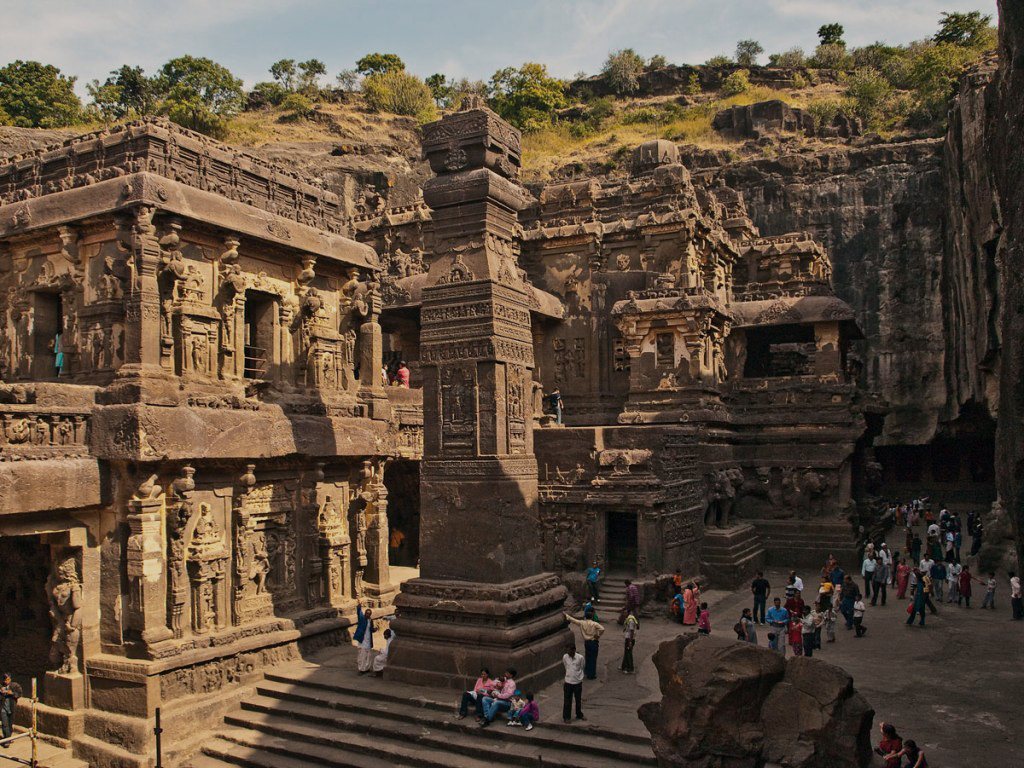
796	638
858	617
990	593
829	622
704	621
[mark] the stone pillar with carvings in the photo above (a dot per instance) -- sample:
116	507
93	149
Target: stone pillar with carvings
142	303
147	565
482	598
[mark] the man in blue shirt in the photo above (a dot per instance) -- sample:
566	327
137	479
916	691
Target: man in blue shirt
778	622
593	572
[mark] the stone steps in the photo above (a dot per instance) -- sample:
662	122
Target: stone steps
805	544
292	721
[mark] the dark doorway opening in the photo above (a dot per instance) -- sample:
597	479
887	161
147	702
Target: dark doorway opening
47	336
402	479
260	314
622	541
25	627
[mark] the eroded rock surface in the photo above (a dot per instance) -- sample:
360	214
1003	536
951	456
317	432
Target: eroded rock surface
734	704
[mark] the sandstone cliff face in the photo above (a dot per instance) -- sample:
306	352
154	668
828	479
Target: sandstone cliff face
879	210
1007	140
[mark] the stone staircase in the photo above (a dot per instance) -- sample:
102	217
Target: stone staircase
302	719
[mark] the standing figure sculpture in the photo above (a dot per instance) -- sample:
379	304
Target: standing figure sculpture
65	590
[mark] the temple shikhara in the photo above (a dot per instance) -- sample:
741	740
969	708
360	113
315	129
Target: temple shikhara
201	462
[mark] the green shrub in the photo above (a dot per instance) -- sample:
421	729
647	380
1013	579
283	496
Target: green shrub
824	112
643	115
397	92
693	84
831	56
297	106
622	70
265	95
868	92
719	61
736	83
791	59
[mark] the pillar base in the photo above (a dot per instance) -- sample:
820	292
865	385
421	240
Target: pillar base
448	630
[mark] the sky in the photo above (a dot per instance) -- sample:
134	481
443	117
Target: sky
458	38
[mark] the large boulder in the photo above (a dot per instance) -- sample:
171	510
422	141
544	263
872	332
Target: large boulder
727	704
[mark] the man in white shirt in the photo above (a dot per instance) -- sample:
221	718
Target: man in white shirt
1016	598
573	686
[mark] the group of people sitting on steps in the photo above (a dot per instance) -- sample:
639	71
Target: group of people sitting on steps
494	696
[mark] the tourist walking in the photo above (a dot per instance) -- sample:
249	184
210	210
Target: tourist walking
848	594
879	581
690	604
591	632
9	693
761	589
749	627
990	592
914	754
867	570
632	600
629	630
380	661
938	574
1016	597
778	620
953	571
890	746
572	688
858	617
917	606
808	627
704	621
965	586
593	573
902	578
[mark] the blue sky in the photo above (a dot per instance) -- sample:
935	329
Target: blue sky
460	38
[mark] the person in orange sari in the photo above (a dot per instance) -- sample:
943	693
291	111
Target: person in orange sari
902	577
691	600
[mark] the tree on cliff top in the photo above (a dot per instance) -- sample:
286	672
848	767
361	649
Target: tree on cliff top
127	93
527	97
378	63
747	52
199	94
622	70
831	34
967	30
34	95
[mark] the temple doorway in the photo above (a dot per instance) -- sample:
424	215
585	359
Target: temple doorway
402	479
622	541
24	608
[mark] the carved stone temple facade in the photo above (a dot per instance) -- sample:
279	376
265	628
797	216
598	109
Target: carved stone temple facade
191	467
199	460
711	418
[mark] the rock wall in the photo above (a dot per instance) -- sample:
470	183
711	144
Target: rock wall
1007	141
879	210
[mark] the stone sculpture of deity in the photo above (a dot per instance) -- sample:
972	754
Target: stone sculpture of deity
65	591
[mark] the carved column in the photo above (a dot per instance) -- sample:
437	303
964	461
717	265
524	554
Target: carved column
481	598
206	567
147	565
178	515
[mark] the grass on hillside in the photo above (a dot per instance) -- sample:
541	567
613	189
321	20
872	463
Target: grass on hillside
640	121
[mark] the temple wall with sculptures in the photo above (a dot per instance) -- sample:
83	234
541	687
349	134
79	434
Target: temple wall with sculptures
703	366
185	442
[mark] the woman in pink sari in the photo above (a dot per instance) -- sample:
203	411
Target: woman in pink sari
691	597
902	577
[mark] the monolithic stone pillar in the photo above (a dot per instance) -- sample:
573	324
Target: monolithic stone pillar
147	565
481	599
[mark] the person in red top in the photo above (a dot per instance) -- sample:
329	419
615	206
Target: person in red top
891	745
402	375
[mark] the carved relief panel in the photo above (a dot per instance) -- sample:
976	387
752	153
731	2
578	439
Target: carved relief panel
458	410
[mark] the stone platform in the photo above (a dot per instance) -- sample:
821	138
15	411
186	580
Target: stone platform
731	556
